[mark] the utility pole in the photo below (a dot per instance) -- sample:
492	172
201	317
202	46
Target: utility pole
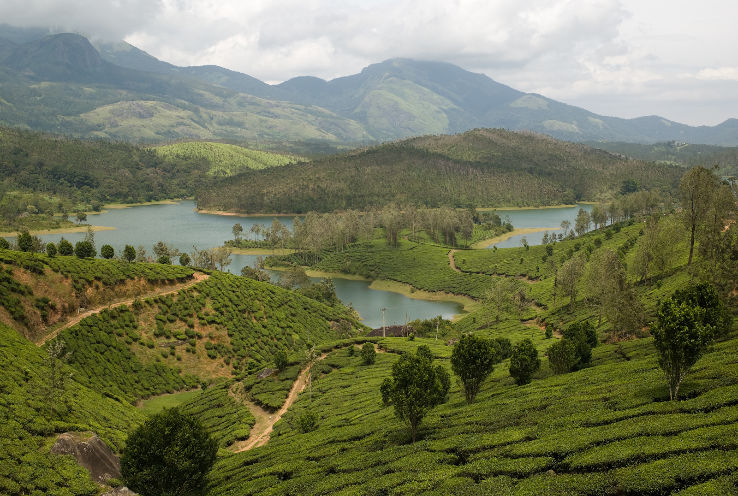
384	332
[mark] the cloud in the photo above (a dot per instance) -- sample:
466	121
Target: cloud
653	57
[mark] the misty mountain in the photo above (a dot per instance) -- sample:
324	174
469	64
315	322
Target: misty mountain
129	94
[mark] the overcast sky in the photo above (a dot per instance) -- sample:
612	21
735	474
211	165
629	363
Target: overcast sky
675	58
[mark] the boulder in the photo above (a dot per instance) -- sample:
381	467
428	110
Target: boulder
120	491
90	452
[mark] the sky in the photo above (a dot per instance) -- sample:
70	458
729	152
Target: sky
626	58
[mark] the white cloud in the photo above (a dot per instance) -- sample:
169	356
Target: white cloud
621	57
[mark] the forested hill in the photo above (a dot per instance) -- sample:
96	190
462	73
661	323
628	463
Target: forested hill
482	167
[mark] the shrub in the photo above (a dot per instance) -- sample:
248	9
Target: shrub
308	421
472	359
170	453
51	249
562	356
281	360
524	362
184	260
583	336
368	354
505	348
84	249
65	248
164	259
4	245
25	241
107	251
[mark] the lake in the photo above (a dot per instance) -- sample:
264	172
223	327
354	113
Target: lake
181	227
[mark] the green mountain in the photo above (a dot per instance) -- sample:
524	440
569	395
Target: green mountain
482	168
62	83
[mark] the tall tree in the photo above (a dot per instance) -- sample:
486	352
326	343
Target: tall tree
696	190
582	222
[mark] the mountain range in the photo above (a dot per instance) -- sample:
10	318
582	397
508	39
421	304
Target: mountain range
64	83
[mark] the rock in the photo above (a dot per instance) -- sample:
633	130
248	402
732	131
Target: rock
551	472
265	373
121	491
90	452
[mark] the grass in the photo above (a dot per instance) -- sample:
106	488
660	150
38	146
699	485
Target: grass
156	404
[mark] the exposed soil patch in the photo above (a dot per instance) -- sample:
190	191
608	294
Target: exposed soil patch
196	278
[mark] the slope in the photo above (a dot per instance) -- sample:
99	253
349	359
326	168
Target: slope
477	168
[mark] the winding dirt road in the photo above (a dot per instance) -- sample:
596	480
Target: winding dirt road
196	278
451	260
265	420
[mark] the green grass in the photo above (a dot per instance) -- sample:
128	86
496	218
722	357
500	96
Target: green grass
224	159
156	404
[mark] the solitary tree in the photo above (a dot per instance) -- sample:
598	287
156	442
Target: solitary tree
368	354
524	362
582	222
107	251
184	260
705	296
51	249
472	359
81	217
129	253
568	276
170	454
680	336
416	387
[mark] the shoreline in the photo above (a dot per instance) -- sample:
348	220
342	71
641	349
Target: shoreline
467	303
486	243
238	214
60	230
262	251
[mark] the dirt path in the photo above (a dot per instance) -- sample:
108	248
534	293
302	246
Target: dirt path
197	277
265	420
451	260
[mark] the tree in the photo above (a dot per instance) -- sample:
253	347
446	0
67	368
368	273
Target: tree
4	245
704	296
65	248
565	226
237	232
254	273
129	253
107	251
599	216
50	249
582	222
508	295
562	356
281	360
568	276
184	260
524	362
164	259
25	241
84	249
56	380
294	277
169	454
680	336
415	388
696	190
368	354
81	217
472	359
583	336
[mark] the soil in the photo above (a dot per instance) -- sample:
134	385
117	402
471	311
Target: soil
196	278
451	260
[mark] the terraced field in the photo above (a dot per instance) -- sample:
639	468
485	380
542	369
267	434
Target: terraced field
602	430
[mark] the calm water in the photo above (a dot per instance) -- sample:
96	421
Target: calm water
541	217
181	227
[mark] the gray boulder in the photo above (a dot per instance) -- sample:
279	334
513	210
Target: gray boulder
90	452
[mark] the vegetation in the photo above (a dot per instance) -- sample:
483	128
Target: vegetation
415	387
171	453
224	159
472	359
524	362
368	354
474	169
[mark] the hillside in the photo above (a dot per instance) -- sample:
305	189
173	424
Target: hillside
115	90
225	160
726	158
482	168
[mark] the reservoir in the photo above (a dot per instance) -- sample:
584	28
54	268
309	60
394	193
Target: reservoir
181	227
